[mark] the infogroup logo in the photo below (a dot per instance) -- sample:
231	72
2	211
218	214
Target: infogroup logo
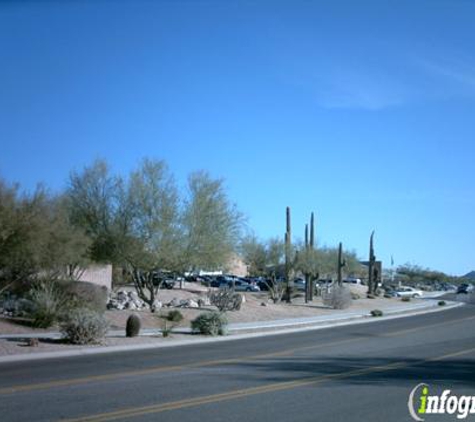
421	403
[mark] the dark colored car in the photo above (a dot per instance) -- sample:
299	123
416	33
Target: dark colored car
465	288
163	282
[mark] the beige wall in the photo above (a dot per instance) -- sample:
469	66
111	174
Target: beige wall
237	266
98	274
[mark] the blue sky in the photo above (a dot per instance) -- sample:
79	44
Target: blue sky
362	112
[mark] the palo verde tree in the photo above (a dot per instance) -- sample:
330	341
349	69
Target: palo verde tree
211	224
96	203
36	238
152	210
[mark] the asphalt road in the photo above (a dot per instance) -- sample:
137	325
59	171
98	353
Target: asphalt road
354	373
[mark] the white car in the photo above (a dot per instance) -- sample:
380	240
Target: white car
405	291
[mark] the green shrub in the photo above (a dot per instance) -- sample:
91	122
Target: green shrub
376	313
174	316
406	299
133	325
169	321
210	323
48	304
441	303
84	326
86	294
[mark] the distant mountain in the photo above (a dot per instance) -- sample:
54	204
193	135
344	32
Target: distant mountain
470	275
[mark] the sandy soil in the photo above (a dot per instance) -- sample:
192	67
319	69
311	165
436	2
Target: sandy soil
257	307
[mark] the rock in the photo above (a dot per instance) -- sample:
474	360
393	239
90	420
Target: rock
122	296
131	306
156	305
133	296
174	303
193	304
204	301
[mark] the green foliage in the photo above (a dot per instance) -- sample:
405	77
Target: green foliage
96	205
411	274
49	304
169	321
36	237
376	313
211	223
210	323
87	295
174	316
83	326
133	325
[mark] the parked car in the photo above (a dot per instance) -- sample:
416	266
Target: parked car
162	281
405	291
352	280
465	288
243	286
299	284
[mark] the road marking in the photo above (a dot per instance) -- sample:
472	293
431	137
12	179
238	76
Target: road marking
154	370
269	388
410	330
159	369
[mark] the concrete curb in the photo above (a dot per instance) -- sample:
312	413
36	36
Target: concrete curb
353	319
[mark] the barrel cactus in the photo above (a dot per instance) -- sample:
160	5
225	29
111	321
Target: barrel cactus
132	328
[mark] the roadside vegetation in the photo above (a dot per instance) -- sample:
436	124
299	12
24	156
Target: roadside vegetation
146	226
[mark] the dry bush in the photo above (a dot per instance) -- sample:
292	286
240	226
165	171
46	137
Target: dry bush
226	299
337	297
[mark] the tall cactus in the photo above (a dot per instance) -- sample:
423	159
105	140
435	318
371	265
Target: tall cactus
372	259
310	272
288	258
341	263
312	247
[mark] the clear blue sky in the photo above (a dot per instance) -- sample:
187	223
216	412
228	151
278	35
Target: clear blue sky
362	111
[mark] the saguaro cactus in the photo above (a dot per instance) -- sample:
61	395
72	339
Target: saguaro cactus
341	263
372	259
310	272
288	258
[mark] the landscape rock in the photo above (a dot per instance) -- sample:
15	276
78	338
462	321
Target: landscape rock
174	303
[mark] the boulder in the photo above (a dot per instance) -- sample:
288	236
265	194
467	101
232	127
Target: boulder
174	303
192	304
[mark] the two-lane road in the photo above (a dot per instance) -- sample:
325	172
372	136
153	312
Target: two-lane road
361	372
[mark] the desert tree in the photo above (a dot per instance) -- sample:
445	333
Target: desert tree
36	237
96	202
153	239
265	259
211	224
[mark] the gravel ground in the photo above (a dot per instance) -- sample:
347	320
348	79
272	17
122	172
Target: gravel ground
257	307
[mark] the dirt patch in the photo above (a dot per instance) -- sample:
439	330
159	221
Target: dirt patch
257	307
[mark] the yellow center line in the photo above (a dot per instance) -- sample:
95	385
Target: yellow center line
154	370
440	324
269	388
160	369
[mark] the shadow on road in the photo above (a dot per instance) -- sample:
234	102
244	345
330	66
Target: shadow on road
448	371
